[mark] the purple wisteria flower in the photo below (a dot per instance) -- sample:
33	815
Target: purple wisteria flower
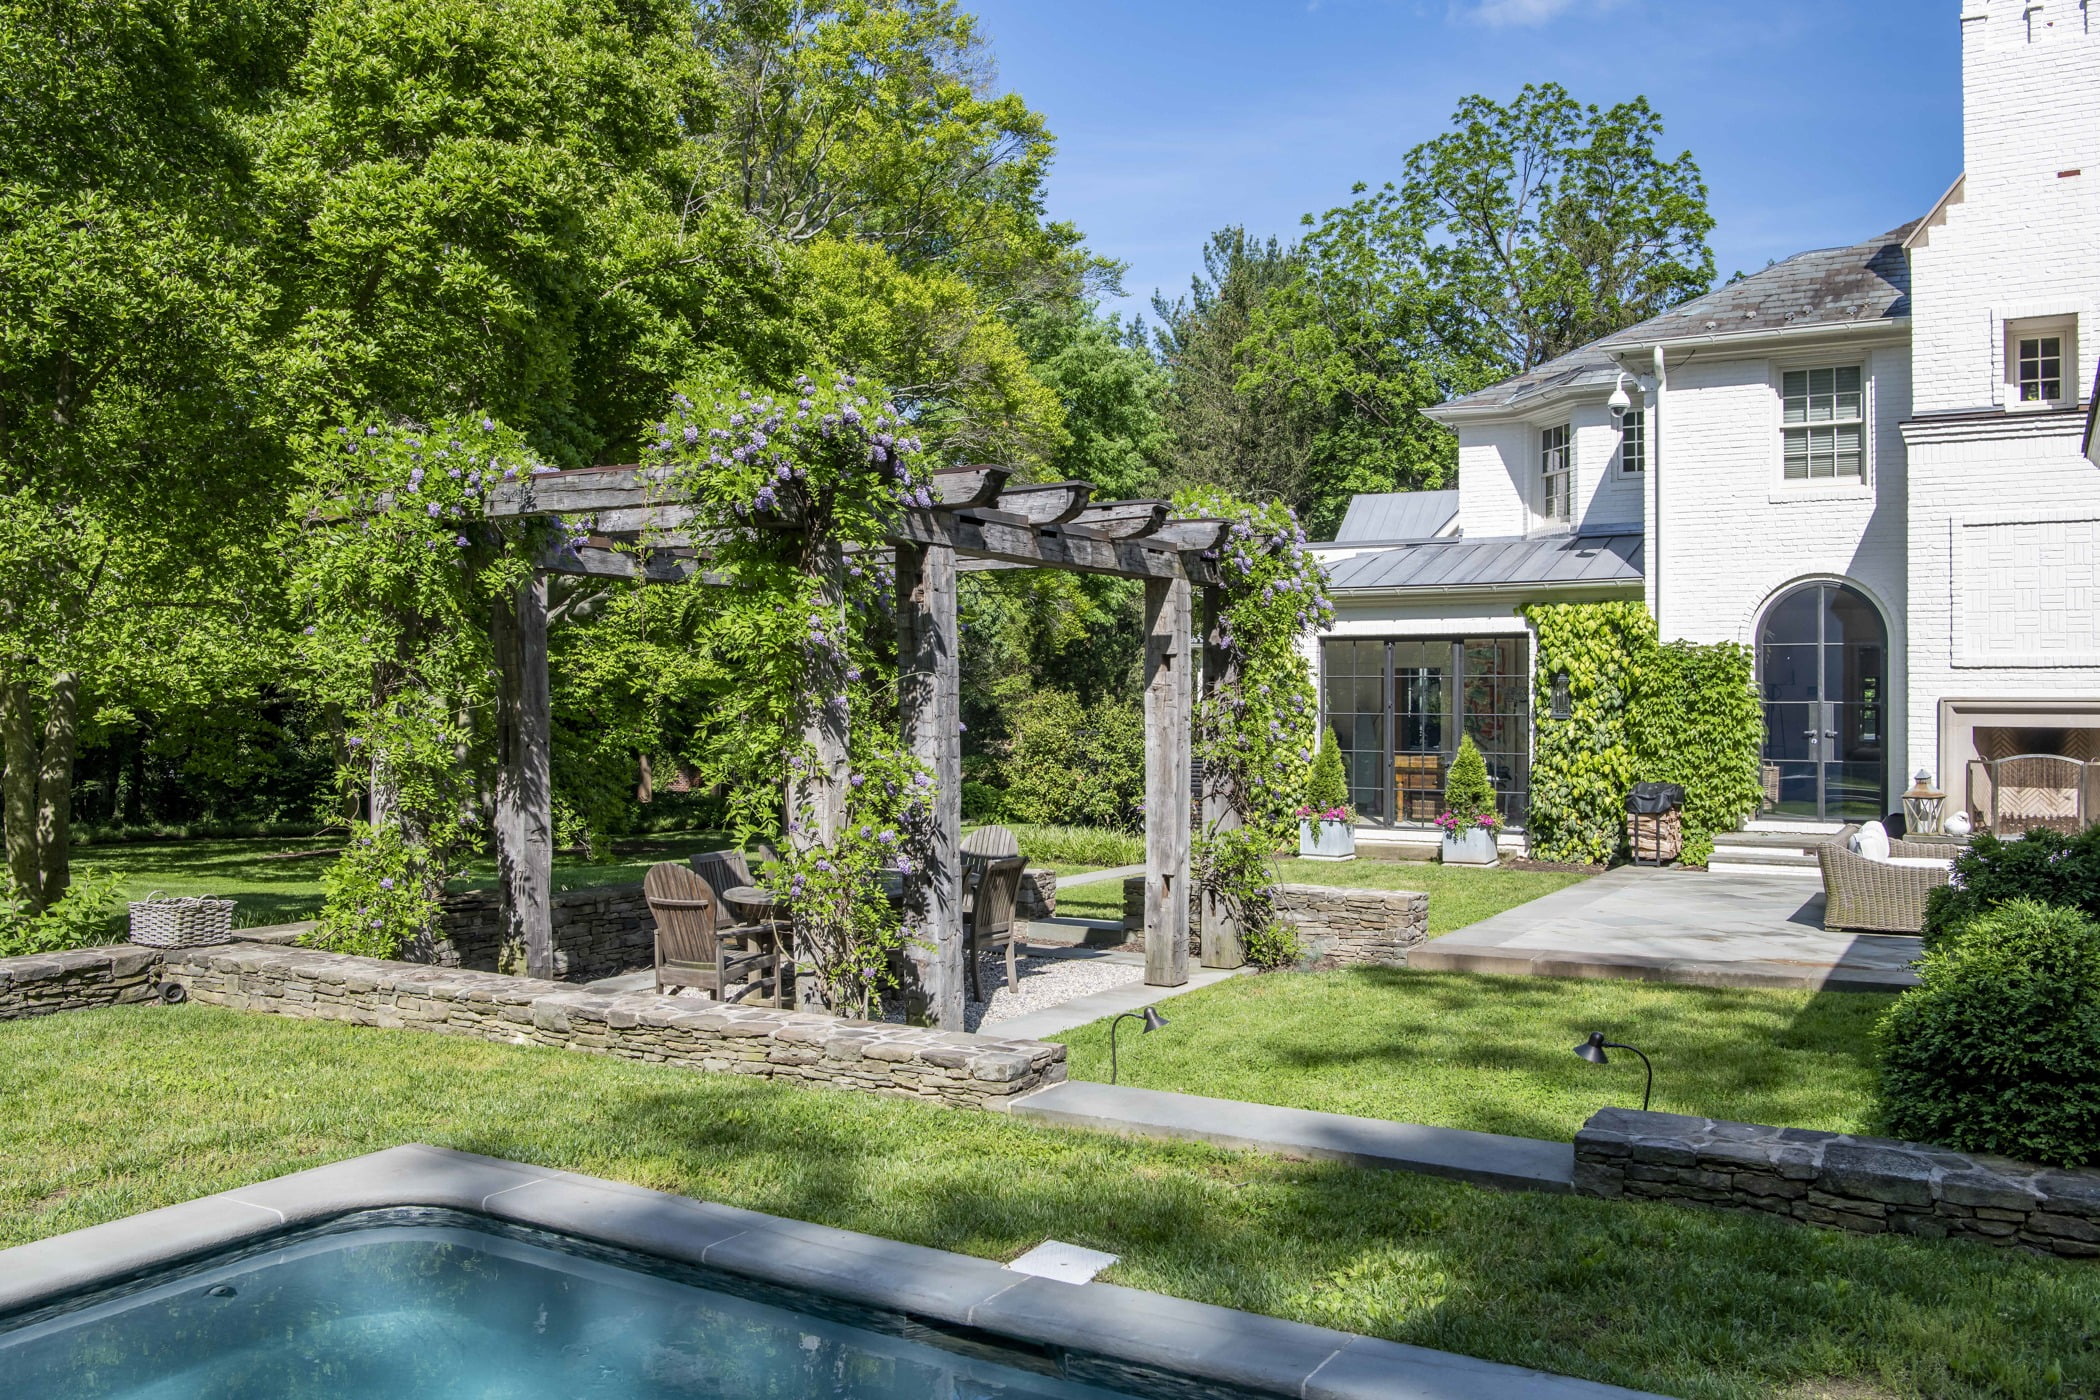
488	425
386	882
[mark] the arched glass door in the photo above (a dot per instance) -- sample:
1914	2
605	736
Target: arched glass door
1822	661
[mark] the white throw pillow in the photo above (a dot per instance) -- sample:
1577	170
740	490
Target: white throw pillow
1874	841
1958	824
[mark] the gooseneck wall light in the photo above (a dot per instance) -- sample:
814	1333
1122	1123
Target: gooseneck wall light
1153	1021
1593	1050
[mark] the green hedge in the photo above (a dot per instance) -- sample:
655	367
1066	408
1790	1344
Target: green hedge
2045	866
1997	1049
1639	711
1074	765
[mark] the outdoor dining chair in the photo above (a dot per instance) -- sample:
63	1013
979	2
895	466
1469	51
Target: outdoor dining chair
990	923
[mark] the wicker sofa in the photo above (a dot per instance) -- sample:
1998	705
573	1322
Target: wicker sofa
1875	896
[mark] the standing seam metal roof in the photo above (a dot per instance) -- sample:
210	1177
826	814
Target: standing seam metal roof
1398	515
1484	563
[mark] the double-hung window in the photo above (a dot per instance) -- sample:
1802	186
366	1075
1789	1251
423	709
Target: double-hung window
1633	442
1556	463
1824	420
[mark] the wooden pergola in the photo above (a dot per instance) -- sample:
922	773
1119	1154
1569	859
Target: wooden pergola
642	530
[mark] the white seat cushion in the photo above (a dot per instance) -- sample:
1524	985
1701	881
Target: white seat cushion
1872	841
1920	862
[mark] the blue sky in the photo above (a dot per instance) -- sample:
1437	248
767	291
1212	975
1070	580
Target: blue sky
1816	122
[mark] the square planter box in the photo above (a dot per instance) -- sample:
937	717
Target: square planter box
1326	841
1472	847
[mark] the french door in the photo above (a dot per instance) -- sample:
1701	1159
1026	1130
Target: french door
1822	659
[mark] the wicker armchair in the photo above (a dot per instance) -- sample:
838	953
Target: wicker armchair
1875	896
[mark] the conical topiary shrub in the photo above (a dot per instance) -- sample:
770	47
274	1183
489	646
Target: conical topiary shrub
1468	795
1327	786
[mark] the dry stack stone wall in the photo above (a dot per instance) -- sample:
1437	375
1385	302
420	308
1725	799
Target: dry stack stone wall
1338	927
600	932
1836	1180
1347	928
41	983
875	1057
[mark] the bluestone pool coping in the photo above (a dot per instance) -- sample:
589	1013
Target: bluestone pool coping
1222	1346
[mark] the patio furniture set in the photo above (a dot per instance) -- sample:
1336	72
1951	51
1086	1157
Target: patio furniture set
719	931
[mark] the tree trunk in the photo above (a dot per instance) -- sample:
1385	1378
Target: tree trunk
18	750
54	811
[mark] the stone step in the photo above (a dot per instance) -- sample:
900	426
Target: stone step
1487	1159
1767	840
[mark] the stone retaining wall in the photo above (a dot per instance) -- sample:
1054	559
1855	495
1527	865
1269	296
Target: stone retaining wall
1839	1181
1349	928
1038	894
41	983
599	932
1338	927
895	1061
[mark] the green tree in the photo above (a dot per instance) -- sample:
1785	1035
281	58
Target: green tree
1229	432
1551	223
137	479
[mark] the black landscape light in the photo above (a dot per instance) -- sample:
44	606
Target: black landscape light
1153	1021
1593	1050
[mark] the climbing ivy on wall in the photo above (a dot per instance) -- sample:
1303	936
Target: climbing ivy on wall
1639	711
1697	721
1583	765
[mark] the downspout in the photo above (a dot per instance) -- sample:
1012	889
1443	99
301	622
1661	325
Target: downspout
1655	456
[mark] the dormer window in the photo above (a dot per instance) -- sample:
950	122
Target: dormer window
2038	368
1556	460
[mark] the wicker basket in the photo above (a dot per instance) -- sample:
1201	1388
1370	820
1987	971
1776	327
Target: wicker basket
159	921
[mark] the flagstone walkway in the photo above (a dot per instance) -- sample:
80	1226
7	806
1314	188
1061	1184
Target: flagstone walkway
1728	930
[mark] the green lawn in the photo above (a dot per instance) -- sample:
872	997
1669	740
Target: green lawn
117	1111
1457	895
276	880
1494	1053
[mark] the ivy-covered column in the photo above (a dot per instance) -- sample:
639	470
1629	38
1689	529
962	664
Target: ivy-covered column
816	786
525	773
1223	803
1168	687
929	705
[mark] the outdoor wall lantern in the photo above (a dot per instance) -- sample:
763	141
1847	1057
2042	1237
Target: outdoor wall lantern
1563	705
1923	808
1593	1050
1153	1021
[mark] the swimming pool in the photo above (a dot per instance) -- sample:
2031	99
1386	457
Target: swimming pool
450	1310
427	1272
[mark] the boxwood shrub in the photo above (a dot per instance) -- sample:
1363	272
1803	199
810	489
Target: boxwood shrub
2044	866
1998	1047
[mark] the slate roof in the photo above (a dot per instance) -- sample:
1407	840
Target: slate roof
1397	515
1483	563
1867	281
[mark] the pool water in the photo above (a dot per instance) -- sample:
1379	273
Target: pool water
453	1313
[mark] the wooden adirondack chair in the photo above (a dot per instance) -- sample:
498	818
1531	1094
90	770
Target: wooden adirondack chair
694	948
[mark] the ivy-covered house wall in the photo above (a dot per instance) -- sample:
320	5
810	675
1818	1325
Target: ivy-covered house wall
1637	711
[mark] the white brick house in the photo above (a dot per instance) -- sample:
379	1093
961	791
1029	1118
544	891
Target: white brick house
1875	465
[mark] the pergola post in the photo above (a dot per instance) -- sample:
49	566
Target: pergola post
817	791
1168	691
1223	945
929	705
524	779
